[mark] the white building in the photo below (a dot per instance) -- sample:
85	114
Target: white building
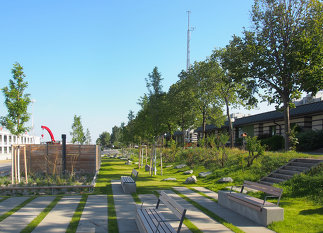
7	139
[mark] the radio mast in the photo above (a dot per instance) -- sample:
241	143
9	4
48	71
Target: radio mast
189	30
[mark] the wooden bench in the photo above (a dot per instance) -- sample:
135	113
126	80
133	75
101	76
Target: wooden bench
150	220
254	202
128	183
258	210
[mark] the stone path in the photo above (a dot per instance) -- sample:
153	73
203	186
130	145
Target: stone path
242	222
95	215
11	203
207	192
199	219
150	201
20	219
58	219
125	208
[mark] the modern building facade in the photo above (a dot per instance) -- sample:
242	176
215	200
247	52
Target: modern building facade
7	140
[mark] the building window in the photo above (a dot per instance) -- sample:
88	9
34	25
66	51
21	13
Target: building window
272	130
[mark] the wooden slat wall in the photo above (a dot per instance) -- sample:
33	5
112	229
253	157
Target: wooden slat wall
48	158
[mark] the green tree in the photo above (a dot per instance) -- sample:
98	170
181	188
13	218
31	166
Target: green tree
181	108
283	51
233	92
116	135
201	80
88	137
77	133
104	139
16	102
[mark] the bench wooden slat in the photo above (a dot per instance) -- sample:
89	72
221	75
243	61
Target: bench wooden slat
264	188
155	219
168	227
144	224
252	200
172	205
245	203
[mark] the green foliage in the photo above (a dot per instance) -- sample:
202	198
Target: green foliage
273	143
309	140
306	185
16	102
253	146
88	137
77	133
104	139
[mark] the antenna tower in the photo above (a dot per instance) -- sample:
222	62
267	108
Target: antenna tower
189	30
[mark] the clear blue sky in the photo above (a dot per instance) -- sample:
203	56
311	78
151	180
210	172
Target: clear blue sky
91	58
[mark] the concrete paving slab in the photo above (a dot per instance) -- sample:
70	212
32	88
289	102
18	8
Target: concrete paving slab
11	203
242	222
125	209
198	218
95	215
208	192
20	219
150	201
58	219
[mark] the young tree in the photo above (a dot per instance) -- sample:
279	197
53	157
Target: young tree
16	102
77	133
283	51
88	137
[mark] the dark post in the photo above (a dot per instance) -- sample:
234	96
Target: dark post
64	153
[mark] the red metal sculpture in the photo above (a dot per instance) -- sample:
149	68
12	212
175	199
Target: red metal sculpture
50	133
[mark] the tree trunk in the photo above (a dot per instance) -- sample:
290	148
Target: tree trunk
203	124
230	122
287	124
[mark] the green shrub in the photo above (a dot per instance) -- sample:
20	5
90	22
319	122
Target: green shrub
310	140
273	143
306	185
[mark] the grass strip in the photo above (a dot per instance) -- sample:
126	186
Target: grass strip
77	215
18	207
34	223
203	194
136	198
209	213
112	215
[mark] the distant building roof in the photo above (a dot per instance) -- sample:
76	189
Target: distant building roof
306	109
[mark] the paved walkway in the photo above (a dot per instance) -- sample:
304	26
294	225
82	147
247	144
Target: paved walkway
20	219
207	192
198	218
95	215
11	203
58	219
242	222
125	208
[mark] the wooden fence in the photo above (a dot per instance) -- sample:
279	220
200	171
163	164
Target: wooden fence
84	159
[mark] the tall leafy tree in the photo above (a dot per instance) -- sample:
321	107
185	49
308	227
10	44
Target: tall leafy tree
155	97
282	52
16	101
104	139
77	133
233	92
116	135
181	104
88	137
203	85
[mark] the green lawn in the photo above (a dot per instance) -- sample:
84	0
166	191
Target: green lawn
301	214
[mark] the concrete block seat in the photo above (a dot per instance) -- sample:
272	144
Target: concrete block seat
128	183
257	210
